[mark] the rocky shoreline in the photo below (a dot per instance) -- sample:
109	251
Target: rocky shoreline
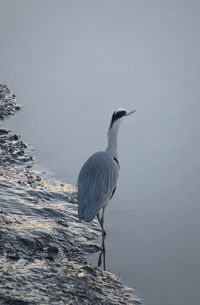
43	246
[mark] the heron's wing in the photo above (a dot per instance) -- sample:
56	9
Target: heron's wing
96	183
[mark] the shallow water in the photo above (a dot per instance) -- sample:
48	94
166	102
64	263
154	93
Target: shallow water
71	64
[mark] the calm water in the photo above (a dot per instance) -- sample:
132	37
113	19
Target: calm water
71	63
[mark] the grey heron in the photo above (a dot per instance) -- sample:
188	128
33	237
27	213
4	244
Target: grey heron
98	177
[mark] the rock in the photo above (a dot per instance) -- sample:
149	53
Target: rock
8	104
15	137
4	131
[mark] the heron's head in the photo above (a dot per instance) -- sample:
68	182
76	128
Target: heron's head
119	115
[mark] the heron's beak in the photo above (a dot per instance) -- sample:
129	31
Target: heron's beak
130	112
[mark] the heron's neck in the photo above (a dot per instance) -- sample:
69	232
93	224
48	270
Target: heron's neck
112	140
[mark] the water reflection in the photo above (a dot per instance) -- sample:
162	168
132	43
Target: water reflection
102	259
102	254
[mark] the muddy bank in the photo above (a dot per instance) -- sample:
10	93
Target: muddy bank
43	246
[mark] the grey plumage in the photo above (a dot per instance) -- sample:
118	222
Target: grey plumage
98	177
96	183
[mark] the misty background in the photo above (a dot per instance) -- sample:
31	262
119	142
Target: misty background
71	64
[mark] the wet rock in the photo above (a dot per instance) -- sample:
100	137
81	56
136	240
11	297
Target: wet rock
3	131
62	223
8	104
15	137
12	149
52	252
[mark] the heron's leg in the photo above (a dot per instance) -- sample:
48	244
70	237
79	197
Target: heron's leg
99	219
103	241
102	222
104	260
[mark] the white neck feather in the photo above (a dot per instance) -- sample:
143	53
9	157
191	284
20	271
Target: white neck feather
112	139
